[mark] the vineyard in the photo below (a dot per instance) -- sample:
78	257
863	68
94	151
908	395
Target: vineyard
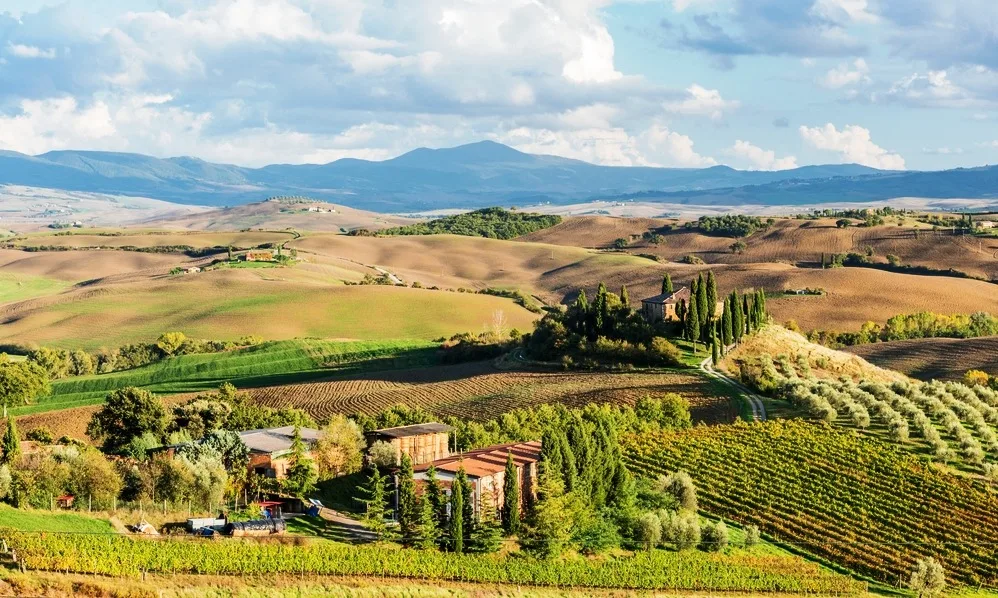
478	391
949	421
688	570
860	503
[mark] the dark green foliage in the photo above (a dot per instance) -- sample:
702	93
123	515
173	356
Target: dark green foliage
20	382
127	413
302	474
486	537
11	443
729	225
409	510
692	324
428	529
911	326
435	496
737	317
494	223
375	501
511	498
667	285
703	311
727	335
711	296
715	350
747	314
457	500
625	299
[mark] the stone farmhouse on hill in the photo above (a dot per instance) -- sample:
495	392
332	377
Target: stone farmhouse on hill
422	442
663	307
260	255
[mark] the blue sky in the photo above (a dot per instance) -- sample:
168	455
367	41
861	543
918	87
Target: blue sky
757	84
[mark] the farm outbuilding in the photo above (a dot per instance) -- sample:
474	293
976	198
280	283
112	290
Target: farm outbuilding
270	447
260	255
422	442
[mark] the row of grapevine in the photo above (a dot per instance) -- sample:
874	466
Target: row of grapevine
862	503
117	555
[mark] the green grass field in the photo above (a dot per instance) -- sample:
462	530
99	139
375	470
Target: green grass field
45	521
18	287
269	364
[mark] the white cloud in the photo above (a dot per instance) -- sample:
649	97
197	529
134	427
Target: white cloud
655	146
58	123
681	5
942	151
846	75
760	159
703	102
853	144
845	11
934	88
23	51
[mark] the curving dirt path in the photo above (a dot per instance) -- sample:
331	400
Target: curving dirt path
754	400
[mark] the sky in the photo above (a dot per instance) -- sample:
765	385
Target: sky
753	84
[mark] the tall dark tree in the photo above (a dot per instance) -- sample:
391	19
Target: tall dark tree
600	310
711	296
457	500
375	503
667	285
625	299
681	314
409	509
11	443
693	324
428	530
726	330
702	310
580	313
761	305
437	498
715	351
747	311
737	317
511	497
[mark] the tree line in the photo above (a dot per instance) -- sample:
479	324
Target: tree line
493	223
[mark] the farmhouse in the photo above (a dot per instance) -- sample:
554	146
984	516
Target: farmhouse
486	470
986	224
259	255
663	307
421	442
269	448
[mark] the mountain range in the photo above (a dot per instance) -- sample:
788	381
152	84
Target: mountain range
476	175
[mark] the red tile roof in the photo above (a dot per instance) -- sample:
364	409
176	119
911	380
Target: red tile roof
487	461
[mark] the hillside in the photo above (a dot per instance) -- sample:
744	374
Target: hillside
933	358
275	215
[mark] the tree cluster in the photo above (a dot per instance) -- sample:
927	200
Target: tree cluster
911	326
493	223
730	225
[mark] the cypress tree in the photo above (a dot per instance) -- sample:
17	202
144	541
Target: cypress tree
376	503
726	323
711	296
428	531
468	523
581	312
409	511
667	285
11	443
823	266
568	471
702	310
681	313
552	458
625	300
437	498
511	497
715	350
747	314
761	306
693	324
600	311
737	318
457	514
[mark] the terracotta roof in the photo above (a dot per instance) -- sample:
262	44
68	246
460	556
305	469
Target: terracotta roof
413	430
487	461
683	293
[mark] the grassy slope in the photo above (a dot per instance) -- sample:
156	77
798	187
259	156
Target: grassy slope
281	362
44	521
18	287
273	303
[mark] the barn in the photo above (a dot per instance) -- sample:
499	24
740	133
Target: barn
422	442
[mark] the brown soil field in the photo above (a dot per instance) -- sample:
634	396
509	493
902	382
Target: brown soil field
789	241
933	358
147	238
79	266
479	391
269	215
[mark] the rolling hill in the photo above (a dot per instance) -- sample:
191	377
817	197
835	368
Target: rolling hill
469	176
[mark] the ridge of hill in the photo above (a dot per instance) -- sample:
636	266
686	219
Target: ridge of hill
469	176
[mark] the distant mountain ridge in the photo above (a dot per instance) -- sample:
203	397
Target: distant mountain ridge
474	175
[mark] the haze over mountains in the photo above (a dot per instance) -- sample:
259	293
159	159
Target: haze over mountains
476	175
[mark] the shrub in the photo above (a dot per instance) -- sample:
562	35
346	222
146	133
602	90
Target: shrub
928	578
714	537
692	259
382	454
649	531
751	535
40	435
